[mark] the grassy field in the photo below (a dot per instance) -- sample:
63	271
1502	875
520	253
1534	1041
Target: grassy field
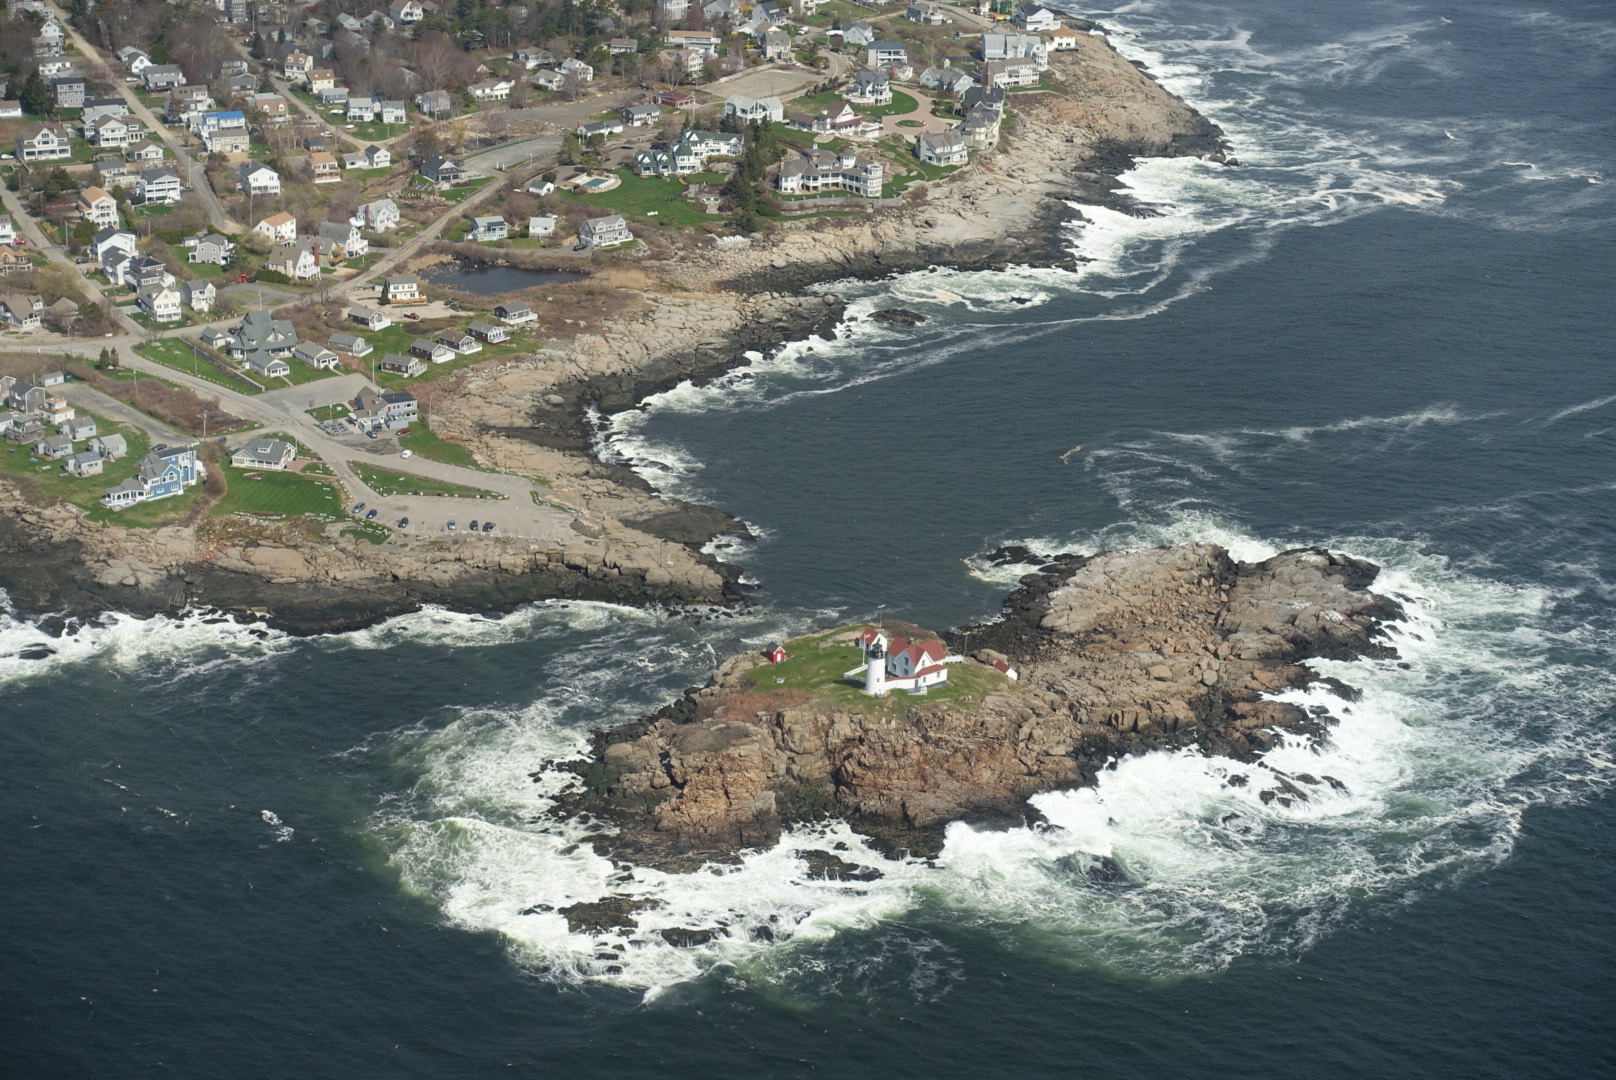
177	355
56	483
902	104
426	443
397	338
329	412
286	494
464	192
639	196
374	131
387	482
369	530
364	176
815	666
303	373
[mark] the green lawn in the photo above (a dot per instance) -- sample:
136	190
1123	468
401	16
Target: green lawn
902	103
641	195
277	493
375	132
426	443
465	191
56	483
397	338
815	665
364	176
177	355
303	373
328	412
791	135
388	482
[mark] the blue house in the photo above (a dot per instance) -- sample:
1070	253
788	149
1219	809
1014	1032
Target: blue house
163	472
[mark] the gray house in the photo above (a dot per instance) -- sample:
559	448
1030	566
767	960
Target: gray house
263	454
111	447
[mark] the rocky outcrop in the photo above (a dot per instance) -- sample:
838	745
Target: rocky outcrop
1119	653
308	579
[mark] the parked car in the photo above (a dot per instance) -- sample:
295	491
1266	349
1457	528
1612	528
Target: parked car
357	507
411	315
403	522
488	526
370	516
451	526
473	526
408	454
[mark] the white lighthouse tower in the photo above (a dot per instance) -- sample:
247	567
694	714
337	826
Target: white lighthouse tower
875	666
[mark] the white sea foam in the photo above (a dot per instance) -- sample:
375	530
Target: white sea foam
188	644
1436	764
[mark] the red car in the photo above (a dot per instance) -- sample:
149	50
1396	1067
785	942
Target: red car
411	315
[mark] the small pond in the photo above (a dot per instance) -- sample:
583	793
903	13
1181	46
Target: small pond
488	280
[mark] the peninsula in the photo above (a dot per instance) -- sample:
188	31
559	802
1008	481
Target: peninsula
382	394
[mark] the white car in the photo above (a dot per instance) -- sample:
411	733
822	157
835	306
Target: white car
409	453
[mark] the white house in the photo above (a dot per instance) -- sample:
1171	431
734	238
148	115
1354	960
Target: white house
271	367
604	232
263	454
352	344
1035	18
914	666
767	109
514	312
198	294
160	185
369	318
381	215
281	227
346	235
111	447
160	303
491	89
315	355
402	288
542	225
95	205
371	157
361	110
256	178
88	463
298	261
869	88
488	229
941	148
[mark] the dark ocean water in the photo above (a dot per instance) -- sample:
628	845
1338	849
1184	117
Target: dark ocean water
230	854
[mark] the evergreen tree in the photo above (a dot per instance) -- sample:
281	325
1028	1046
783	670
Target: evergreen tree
35	95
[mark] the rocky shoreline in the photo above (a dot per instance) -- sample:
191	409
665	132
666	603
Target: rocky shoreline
1117	654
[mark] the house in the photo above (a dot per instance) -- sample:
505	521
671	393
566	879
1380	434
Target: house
161	303
8	231
77	430
486	331
281	227
491	89
599	127
162	77
159	185
198	294
320	79
981	128
261	332
352	344
53	447
324	168
57	410
528	59
96	108
369	318
776	45
110	172
226	120
163	473
113	131
941	148
816	169
67	91
390	409
402	289
767	109
299	261
226	141
406	13
392	112
442	172
604	232
55	378
270	367
345	235
25	398
775	654
263	454
924	11
947	79
541	225
1016	47
692	39
24	430
1035	18
242	84
464	344
914	666
1008	73
146	272
435	102
111	447
674	99
315	355
869	88
212	249
721	9
295	65
1062	39
134	60
233	66
22	313
361	110
408	366
577	68
143	152
97	206
85	464
549	80
989	97
371	157
860	33
487	229
47	142
431	350
114	264
381	215
693	150
256	178
273	107
52	69
514	312
885	54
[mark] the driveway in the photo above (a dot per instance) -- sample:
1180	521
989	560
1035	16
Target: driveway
922	113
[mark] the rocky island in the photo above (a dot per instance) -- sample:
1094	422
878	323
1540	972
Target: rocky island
1095	658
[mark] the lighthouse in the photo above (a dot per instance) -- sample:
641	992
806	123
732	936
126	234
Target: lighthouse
875	667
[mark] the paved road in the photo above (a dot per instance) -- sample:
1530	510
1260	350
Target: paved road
88	397
498	158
